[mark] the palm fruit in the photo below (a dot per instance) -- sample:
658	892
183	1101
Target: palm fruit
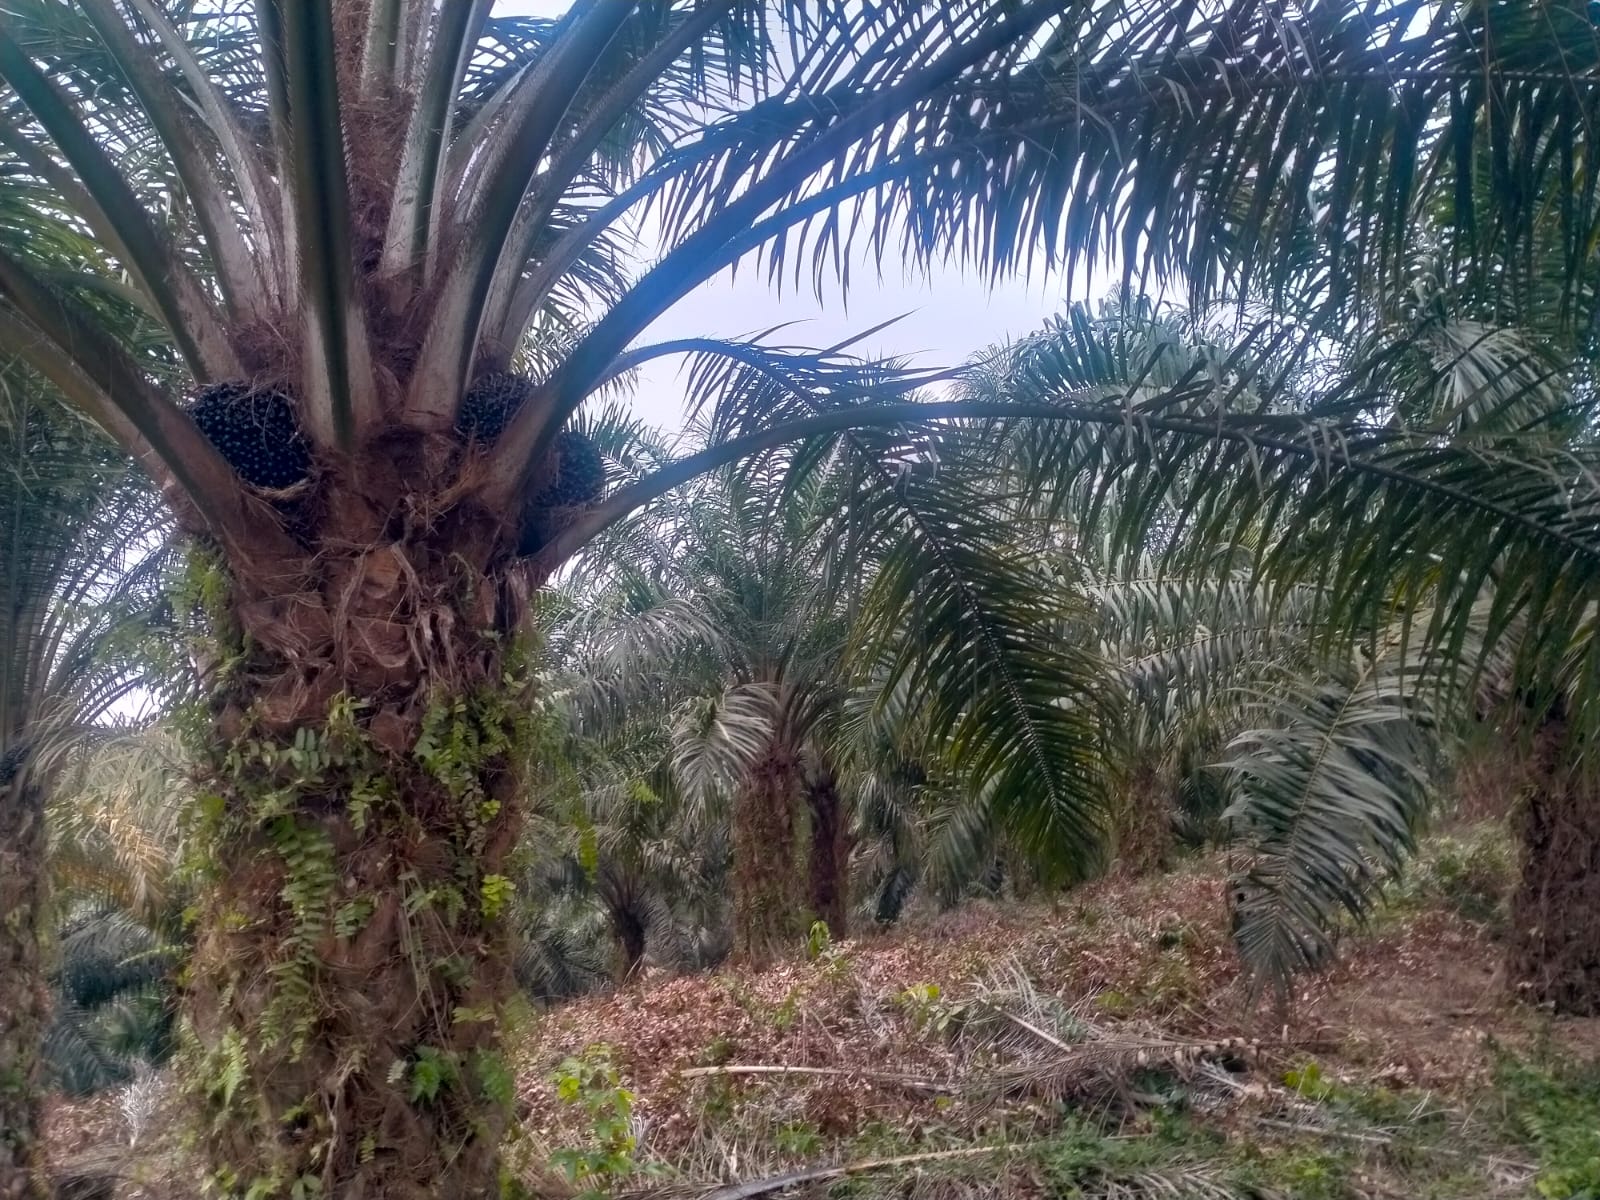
254	428
11	763
579	476
577	473
489	405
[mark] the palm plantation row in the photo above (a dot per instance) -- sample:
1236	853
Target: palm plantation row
948	621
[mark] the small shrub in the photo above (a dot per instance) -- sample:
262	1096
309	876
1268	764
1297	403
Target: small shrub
818	941
1413	1111
1470	874
1312	1174
928	1009
1115	1004
609	1157
798	1139
719	1051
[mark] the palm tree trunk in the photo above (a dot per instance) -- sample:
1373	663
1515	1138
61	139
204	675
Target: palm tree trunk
626	904
1554	946
830	849
766	893
362	790
630	934
23	1003
1143	828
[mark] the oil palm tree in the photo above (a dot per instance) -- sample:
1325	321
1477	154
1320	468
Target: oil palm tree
388	194
746	661
609	834
358	212
116	829
84	549
1267	598
782	634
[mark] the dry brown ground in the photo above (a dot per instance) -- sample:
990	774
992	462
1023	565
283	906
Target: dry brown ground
1421	999
1416	1004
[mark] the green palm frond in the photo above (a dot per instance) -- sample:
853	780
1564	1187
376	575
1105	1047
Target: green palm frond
113	1008
718	739
86	546
560	954
1331	498
1287	582
1328	798
1187	643
956	618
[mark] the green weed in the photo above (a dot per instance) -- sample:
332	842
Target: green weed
609	1155
1469	873
1557	1113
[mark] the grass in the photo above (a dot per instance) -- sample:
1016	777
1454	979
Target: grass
1469	872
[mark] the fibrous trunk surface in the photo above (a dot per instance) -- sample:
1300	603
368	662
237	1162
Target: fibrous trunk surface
1554	947
364	741
767	898
23	1003
830	851
1143	822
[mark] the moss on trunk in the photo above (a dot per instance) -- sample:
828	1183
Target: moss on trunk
767	897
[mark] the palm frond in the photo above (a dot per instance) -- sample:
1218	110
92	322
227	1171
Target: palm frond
1328	799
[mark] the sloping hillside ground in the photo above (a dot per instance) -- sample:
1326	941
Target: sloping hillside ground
1098	1047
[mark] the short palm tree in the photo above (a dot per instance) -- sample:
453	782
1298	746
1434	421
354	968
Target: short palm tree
785	620
364	206
745	662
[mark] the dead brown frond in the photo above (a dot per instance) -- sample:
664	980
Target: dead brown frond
1172	1183
768	1185
1051	1049
910	1083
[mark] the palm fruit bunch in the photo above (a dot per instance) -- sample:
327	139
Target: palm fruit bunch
489	405
254	428
577	477
577	474
11	763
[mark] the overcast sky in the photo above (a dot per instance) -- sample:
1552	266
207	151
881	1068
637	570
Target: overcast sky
948	316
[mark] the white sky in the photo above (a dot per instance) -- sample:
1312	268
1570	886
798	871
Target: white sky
948	316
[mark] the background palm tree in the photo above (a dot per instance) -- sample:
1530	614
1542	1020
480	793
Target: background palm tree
1290	617
785	637
116	821
84	549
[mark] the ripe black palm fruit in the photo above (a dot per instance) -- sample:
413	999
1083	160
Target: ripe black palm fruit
580	473
489	405
11	763
577	477
256	431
